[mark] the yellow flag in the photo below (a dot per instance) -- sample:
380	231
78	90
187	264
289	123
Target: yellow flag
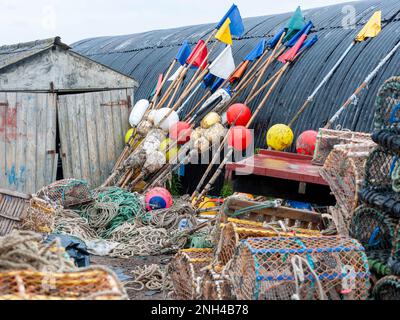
224	33
372	28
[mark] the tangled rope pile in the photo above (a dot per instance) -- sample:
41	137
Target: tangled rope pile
152	277
24	250
70	223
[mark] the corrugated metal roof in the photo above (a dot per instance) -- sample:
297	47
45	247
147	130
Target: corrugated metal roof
11	54
148	54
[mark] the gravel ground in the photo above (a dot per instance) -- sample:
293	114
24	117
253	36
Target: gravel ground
125	266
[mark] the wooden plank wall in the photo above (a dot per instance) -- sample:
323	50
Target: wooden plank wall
27	140
92	130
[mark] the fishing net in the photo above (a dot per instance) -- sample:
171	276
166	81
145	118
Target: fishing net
237	230
375	230
66	193
387	113
300	268
216	286
186	271
327	139
39	216
85	284
344	171
387	288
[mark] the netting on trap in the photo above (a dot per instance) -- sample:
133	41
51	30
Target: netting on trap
186	271
216	286
375	230
236	230
394	261
387	113
327	139
331	268
379	168
387	288
66	193
344	171
39	216
85	284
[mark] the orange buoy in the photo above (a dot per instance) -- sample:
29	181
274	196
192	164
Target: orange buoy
238	114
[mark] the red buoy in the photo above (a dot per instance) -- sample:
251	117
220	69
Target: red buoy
238	114
306	143
240	138
180	132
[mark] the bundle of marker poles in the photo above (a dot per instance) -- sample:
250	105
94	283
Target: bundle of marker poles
197	196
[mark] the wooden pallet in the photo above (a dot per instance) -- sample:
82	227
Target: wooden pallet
13	206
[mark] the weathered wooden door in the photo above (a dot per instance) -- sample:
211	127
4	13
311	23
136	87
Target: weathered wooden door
27	140
92	129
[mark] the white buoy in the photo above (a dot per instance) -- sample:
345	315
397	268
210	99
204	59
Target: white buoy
166	124
138	112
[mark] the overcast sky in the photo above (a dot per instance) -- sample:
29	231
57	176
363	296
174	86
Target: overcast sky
73	20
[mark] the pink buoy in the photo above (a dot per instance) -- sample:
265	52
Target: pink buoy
158	198
306	143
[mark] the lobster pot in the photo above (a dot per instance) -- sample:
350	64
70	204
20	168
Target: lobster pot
386	104
264	269
39	217
66	193
186	271
395	255
387	288
237	230
379	168
344	171
216	286
327	139
87	284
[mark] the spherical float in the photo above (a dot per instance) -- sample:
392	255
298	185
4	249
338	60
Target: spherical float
280	137
240	138
158	198
306	143
168	122
170	153
129	135
209	120
238	114
180	132
138	111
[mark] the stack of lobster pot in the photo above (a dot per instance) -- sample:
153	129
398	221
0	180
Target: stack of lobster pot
376	223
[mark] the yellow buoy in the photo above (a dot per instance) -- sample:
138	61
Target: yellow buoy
280	137
209	120
171	153
129	134
245	195
207	203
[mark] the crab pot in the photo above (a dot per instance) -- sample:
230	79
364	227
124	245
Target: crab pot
186	272
387	288
237	230
263	269
216	286
379	167
395	254
386	104
327	139
66	193
85	284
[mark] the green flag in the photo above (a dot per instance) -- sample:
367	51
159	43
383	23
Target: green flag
296	23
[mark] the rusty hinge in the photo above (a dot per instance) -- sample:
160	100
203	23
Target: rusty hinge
51	152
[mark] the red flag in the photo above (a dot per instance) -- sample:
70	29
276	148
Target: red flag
291	54
198	56
239	72
160	81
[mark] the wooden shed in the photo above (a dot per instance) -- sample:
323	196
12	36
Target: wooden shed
62	115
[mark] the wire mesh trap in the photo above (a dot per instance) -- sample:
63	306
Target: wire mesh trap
216	286
387	288
379	168
387	111
66	193
39	216
186	271
375	230
331	268
85	284
236	230
327	139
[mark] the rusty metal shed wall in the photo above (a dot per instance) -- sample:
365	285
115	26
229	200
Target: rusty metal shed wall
144	56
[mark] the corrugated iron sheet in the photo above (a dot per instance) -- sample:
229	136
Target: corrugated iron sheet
27	141
143	56
92	130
